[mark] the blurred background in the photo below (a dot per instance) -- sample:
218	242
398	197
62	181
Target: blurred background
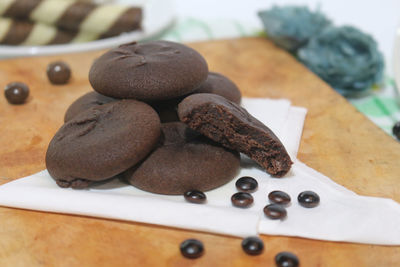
375	23
208	19
378	18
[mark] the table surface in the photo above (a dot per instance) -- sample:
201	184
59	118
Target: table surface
337	141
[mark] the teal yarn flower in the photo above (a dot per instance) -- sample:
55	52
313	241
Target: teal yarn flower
344	57
291	27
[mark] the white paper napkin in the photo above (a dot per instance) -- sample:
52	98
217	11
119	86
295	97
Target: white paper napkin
341	216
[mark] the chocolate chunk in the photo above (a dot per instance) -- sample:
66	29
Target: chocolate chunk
16	92
58	72
232	126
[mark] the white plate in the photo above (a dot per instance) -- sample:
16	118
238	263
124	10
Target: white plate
158	16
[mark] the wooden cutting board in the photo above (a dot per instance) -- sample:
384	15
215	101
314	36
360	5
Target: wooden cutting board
337	141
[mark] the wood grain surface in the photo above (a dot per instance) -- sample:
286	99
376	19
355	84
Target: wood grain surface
337	141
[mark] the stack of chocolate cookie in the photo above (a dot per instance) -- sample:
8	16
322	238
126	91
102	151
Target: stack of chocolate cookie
162	122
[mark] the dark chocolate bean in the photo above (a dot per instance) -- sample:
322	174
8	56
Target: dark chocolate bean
396	130
253	245
246	184
58	72
279	197
286	259
16	92
242	200
192	248
308	199
275	211
195	196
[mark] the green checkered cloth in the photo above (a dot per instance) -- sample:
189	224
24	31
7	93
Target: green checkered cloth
380	104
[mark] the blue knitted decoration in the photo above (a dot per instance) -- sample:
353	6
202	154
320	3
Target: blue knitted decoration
344	57
290	27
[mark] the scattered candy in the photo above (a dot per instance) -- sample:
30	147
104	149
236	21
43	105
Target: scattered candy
286	259
396	130
275	211
192	248
247	184
242	200
16	92
308	199
195	196
279	197
58	72
253	245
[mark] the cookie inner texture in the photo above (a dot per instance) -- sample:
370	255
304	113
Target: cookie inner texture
232	133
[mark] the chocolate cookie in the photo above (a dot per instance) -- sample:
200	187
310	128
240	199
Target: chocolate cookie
219	84
231	125
184	161
85	102
149	71
102	142
215	84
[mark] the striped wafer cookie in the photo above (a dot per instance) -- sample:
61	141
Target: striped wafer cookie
15	32
72	15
